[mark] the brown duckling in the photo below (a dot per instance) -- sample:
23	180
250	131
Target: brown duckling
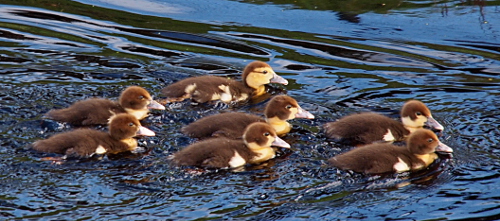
377	158
134	100
366	128
86	142
208	88
232	125
254	148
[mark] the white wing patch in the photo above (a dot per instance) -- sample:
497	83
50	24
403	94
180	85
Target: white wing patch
237	160
243	97
401	166
215	97
190	88
225	96
100	150
388	136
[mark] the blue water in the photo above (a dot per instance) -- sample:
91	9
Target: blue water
340	57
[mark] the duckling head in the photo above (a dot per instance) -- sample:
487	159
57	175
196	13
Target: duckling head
258	73
261	135
124	126
424	141
416	114
285	108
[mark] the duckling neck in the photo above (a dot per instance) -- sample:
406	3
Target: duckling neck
426	159
139	114
411	125
281	126
261	153
412	129
260	90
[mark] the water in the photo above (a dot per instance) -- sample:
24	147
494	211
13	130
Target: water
340	57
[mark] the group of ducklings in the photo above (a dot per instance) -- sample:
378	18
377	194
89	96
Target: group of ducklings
231	140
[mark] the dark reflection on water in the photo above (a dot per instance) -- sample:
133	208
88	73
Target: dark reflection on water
53	53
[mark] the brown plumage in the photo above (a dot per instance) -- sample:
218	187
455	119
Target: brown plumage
254	148
418	154
207	88
86	142
134	100
367	128
232	125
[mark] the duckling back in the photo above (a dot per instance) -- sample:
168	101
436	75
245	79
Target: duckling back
87	112
207	88
230	125
79	142
214	153
374	159
365	128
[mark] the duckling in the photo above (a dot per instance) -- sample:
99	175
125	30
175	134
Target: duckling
232	125
254	148
134	100
85	142
366	128
208	88
378	158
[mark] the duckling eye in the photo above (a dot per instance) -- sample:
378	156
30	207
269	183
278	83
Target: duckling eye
288	106
418	113
131	124
264	72
141	97
430	140
267	134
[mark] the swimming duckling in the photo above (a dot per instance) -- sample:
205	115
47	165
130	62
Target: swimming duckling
366	128
254	148
232	125
208	88
377	158
134	100
85	142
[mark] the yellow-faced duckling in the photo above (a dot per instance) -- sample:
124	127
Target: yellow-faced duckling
86	142
208	88
134	100
254	148
366	128
232	125
378	158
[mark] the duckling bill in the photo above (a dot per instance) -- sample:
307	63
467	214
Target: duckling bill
254	148
232	125
208	88
380	158
134	100
86	142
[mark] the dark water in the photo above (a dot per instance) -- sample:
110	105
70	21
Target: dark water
340	57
